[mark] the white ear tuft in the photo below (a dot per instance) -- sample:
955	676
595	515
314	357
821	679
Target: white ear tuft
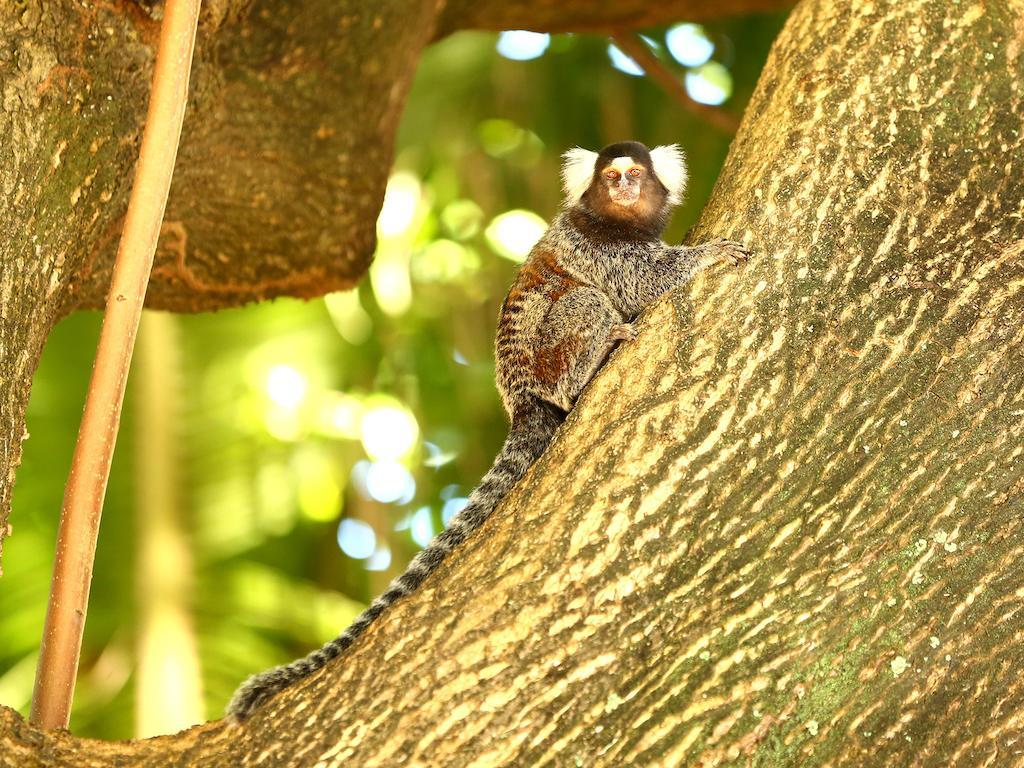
577	172
669	165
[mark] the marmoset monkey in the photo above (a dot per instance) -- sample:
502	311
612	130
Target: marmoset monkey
595	269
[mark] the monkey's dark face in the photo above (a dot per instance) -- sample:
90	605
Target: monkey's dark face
625	188
623	179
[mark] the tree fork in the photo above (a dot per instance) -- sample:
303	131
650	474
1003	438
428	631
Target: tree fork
784	526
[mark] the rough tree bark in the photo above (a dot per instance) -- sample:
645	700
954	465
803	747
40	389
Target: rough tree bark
783	527
285	152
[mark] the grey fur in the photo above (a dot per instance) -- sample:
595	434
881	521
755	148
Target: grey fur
595	269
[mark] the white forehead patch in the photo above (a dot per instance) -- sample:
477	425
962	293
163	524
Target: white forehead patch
668	162
622	164
669	165
577	171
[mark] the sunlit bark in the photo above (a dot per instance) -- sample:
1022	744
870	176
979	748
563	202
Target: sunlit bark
785	526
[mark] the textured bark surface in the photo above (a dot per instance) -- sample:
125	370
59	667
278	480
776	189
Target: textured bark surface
66	143
786	525
285	153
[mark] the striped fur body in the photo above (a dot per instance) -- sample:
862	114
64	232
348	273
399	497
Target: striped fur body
600	263
575	298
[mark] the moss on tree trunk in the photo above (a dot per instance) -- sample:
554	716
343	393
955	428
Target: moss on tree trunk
784	526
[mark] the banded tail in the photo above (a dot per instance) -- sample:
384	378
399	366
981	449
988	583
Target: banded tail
530	433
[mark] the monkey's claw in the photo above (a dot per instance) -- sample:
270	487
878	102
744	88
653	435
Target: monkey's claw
730	252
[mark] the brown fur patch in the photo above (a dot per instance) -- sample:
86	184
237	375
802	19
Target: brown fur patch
541	272
550	364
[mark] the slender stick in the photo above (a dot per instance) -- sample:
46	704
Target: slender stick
633	46
90	466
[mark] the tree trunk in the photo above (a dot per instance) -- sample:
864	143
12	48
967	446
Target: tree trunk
784	526
285	153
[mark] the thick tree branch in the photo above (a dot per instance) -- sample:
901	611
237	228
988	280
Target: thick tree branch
785	525
586	16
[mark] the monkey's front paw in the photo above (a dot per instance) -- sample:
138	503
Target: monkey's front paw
622	332
730	252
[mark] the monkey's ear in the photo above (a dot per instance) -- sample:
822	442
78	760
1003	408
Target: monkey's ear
669	165
577	172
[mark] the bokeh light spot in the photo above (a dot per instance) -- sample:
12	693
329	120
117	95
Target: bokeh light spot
389	277
347	313
709	84
398	211
356	538
436	456
319	495
623	63
689	44
444	261
340	415
388	432
512	234
380	560
500	138
389	482
520	45
421	526
286	386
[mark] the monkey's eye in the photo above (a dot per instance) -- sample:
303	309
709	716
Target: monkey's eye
635	171
611	174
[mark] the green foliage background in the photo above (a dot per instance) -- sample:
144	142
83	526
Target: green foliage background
261	490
